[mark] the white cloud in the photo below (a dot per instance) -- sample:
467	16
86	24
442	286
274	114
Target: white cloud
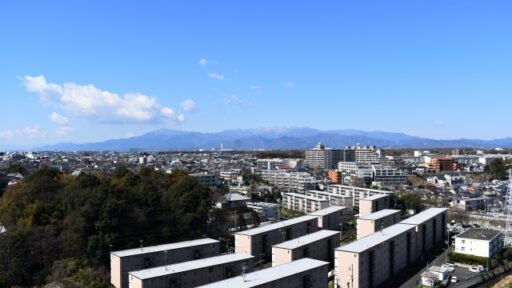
216	76
203	62
101	105
181	118
32	131
7	134
59	119
233	99
188	105
255	88
63	130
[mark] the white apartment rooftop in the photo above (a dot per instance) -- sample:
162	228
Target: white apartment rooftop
303	196
374	197
423	216
275	226
375	239
328	210
307	239
268	275
190	265
380	214
164	247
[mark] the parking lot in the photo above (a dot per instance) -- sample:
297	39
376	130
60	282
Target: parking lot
463	274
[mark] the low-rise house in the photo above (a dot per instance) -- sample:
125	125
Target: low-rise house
479	242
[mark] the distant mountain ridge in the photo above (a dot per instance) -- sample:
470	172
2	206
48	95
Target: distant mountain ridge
270	138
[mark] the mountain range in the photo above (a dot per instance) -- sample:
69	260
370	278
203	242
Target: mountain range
270	138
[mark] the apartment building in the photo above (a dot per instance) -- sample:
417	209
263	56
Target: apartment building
335	176
479	242
294	181
430	228
194	273
258	241
367	154
319	245
304	273
360	170
331	218
122	262
355	192
387	175
376	258
304	203
374	203
208	179
334	199
374	222
266	211
443	164
473	204
319	157
231	175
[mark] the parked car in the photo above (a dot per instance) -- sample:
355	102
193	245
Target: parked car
476	269
454	279
448	267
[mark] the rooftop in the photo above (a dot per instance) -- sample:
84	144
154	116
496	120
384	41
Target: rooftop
189	265
303	196
328	210
380	214
164	247
424	216
375	239
479	234
374	197
275	226
307	239
268	275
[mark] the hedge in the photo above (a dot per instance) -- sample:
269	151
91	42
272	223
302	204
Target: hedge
467	259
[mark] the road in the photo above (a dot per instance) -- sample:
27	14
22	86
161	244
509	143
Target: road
416	279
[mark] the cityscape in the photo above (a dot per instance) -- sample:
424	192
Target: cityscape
165	144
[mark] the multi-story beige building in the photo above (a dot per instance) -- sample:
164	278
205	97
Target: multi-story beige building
303	203
122	262
258	241
371	261
373	203
331	218
303	273
430	227
194	273
334	199
374	222
355	192
319	245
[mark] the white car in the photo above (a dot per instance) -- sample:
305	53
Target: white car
476	269
454	279
448	267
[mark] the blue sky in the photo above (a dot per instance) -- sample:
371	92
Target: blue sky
79	71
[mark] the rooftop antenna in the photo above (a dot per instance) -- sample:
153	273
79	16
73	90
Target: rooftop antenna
165	261
508	232
141	241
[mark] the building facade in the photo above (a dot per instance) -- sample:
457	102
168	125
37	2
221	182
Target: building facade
122	262
479	242
303	203
194	273
303	273
319	245
374	222
258	241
